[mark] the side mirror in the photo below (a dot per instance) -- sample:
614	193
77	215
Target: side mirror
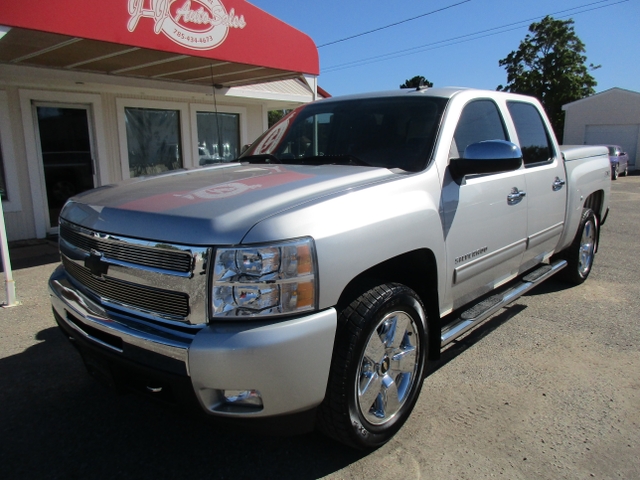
490	156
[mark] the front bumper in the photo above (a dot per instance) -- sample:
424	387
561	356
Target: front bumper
286	361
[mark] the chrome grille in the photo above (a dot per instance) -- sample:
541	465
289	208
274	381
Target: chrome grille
131	295
153	257
139	278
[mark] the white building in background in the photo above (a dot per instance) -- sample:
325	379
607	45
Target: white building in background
86	102
609	117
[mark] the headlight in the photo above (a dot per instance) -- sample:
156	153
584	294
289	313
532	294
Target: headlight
264	280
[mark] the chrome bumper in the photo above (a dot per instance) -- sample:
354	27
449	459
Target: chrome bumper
287	362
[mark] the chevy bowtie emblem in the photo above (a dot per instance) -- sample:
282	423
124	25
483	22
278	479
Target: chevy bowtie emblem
96	266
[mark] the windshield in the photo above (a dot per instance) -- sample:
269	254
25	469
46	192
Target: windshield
387	132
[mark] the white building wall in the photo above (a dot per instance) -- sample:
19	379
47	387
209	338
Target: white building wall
20	86
612	109
18	224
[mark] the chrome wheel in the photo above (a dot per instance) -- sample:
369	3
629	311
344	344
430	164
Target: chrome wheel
388	368
587	247
581	253
379	358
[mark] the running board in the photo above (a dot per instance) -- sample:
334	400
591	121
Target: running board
487	307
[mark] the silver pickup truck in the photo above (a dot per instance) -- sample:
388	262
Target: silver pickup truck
312	281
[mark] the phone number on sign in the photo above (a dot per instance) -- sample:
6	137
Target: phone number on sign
190	39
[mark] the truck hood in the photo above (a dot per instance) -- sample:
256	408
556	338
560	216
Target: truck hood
210	206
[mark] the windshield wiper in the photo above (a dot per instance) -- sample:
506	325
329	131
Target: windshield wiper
263	158
340	159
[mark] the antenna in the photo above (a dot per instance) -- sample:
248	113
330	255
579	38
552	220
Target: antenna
215	108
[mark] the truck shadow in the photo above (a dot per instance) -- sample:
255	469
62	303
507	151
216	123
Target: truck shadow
57	422
463	343
460	345
549	286
32	254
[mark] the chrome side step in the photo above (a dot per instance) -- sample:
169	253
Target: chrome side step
487	307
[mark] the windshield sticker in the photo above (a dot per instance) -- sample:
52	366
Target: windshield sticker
274	135
194	24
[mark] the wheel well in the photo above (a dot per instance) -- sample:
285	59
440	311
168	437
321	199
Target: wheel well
418	271
595	202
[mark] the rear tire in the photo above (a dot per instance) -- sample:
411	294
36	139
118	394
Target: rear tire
377	367
614	173
580	254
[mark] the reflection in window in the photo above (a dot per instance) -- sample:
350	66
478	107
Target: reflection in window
480	121
386	132
153	140
66	154
3	185
308	137
218	137
532	134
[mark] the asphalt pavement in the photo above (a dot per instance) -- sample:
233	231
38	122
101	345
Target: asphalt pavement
548	388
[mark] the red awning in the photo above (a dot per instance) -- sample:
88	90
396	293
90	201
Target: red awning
227	42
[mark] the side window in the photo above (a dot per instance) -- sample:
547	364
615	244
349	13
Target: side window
532	133
480	120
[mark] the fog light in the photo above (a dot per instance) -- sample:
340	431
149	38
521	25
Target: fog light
243	398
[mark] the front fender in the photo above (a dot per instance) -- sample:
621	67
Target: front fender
361	228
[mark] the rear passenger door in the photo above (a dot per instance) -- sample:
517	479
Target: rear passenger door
545	180
485	223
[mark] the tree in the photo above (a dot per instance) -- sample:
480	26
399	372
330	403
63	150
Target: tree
417	81
550	65
276	115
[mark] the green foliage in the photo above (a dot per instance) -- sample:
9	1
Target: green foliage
550	65
276	115
417	81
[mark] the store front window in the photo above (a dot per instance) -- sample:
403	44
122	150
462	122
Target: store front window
218	137
153	140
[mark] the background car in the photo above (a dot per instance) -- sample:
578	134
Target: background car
619	161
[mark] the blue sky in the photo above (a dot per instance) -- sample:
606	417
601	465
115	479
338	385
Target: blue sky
610	30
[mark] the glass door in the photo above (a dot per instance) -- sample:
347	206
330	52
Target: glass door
66	154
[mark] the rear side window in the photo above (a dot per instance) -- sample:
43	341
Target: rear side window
480	121
534	138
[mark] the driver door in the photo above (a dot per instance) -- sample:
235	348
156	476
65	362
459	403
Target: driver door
485	215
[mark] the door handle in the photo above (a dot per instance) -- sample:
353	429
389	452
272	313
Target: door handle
558	184
515	196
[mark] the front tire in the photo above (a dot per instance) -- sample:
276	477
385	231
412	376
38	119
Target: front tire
580	254
377	367
614	174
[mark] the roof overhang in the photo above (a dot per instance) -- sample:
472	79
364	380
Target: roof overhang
200	42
